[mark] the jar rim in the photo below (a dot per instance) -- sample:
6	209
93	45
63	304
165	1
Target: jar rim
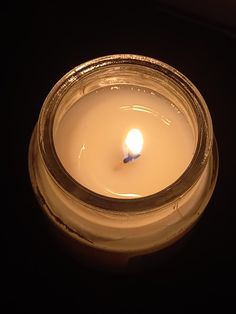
72	187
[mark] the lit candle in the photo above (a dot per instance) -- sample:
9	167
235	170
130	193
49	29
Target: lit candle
124	141
123	158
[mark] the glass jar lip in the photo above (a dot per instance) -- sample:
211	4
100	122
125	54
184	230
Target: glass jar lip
72	187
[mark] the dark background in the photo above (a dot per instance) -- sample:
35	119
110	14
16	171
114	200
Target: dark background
41	42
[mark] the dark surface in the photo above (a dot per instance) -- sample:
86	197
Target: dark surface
43	42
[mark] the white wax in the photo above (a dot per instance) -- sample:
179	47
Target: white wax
90	137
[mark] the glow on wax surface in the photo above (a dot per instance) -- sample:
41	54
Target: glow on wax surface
124	141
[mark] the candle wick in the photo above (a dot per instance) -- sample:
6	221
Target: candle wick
130	158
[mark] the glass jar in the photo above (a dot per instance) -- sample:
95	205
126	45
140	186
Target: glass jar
111	231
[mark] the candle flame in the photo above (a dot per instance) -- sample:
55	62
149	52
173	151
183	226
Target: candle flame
134	143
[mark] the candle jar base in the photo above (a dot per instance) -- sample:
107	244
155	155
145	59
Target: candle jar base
91	258
122	234
116	261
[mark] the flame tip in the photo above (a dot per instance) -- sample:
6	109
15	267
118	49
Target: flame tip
134	142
